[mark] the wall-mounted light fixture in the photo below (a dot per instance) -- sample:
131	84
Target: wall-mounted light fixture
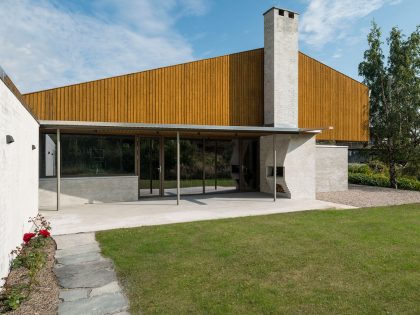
33	147
9	139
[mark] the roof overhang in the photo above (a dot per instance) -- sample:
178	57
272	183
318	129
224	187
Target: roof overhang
109	126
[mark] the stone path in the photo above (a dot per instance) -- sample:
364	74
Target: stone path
87	280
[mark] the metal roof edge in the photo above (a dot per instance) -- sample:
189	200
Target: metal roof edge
60	124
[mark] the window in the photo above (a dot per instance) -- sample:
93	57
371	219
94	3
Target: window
88	155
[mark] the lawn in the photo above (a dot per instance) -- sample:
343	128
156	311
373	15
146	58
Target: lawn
363	261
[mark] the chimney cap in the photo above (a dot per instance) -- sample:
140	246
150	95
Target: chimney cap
276	8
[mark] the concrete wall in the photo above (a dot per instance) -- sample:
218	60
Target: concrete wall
280	69
331	168
18	174
81	190
296	153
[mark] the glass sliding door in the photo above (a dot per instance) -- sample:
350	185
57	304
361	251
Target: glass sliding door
169	183
209	166
249	162
227	165
191	165
149	182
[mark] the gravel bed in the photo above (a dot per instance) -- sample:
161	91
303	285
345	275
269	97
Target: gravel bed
369	196
43	298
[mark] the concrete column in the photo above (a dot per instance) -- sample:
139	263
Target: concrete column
280	68
58	157
178	170
274	168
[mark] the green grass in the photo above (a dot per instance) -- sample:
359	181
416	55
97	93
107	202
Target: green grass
363	261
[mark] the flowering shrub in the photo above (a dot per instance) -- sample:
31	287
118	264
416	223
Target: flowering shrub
31	257
44	233
27	237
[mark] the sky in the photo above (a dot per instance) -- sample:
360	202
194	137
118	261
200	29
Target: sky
50	43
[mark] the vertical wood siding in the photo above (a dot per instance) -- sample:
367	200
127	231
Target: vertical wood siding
330	98
226	90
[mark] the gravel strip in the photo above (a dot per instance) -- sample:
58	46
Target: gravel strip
369	196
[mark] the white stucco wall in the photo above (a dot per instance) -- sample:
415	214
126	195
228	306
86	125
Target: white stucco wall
331	168
81	190
18	174
296	153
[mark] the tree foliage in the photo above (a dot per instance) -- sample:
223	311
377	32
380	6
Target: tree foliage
394	85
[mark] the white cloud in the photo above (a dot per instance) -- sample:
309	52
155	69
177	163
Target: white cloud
328	20
45	44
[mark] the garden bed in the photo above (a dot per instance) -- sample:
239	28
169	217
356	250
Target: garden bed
31	286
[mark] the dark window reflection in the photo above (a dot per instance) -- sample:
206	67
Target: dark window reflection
88	155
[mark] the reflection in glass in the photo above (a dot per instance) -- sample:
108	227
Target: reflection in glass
228	166
48	145
149	167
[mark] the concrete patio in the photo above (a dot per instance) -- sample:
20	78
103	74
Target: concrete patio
156	211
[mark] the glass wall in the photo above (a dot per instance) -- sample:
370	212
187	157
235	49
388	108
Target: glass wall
191	165
88	155
207	166
149	167
47	159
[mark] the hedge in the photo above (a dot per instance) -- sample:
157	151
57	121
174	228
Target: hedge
383	181
359	168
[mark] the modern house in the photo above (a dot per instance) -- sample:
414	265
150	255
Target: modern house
250	121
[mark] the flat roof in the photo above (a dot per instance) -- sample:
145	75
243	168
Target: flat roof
89	125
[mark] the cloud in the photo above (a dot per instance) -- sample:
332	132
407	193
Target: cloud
48	43
327	20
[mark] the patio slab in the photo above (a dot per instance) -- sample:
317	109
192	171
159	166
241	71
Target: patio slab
156	211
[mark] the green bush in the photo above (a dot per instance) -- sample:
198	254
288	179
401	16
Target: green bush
359	168
408	183
383	181
369	179
378	167
411	170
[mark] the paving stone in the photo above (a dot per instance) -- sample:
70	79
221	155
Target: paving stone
98	305
79	258
64	271
82	249
74	240
111	287
73	294
93	279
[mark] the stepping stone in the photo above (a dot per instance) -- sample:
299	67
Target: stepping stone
111	287
98	305
82	249
74	240
65	271
93	279
73	294
80	258
88	281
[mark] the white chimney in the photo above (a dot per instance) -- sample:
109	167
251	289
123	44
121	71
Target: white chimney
281	68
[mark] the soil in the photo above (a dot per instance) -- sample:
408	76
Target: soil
43	298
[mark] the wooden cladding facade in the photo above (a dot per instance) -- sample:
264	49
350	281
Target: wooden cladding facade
226	90
330	98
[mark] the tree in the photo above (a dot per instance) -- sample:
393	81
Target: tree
394	97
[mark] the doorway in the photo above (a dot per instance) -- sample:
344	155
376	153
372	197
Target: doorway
150	167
